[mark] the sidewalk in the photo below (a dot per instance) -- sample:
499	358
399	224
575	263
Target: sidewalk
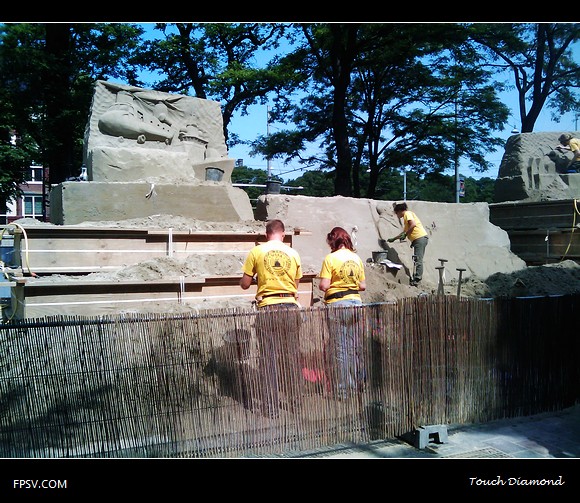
547	435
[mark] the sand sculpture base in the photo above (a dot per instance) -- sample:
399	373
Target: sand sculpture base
76	202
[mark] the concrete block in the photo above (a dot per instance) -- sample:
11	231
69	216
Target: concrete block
424	434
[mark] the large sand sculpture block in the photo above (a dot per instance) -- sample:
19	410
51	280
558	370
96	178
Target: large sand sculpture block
532	170
458	233
138	138
78	202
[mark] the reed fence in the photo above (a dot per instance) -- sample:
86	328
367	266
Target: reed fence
174	386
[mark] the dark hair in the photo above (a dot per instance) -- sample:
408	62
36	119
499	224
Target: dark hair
338	237
565	137
275	226
400	207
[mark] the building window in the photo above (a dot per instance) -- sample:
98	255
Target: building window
33	206
35	174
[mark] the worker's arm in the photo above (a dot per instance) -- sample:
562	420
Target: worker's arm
401	237
246	281
362	286
324	284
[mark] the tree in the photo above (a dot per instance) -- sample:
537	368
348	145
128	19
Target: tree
16	154
18	150
46	83
315	183
540	60
415	99
420	102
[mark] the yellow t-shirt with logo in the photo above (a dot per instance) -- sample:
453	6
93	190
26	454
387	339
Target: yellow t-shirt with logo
419	231
345	270
277	267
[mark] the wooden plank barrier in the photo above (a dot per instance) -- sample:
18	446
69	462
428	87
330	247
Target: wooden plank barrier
46	251
92	298
71	249
194	385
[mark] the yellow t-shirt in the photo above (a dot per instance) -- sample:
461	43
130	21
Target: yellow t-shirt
277	267
419	231
574	145
345	270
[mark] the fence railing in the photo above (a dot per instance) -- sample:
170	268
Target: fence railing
196	385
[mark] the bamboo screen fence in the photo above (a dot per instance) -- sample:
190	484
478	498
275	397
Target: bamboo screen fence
193	386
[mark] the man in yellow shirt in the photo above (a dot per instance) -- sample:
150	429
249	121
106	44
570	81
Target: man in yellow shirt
414	231
278	269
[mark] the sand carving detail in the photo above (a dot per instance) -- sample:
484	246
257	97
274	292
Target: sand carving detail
136	134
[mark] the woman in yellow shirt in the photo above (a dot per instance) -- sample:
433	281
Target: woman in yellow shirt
342	277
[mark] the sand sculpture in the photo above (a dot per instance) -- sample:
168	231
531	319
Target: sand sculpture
533	170
147	153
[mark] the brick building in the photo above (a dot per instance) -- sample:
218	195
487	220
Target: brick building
31	203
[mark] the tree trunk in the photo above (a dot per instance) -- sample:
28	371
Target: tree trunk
59	128
342	56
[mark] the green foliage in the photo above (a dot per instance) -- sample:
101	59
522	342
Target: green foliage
436	187
314	183
47	74
538	59
249	176
416	98
14	162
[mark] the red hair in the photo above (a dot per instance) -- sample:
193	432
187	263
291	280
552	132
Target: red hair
338	237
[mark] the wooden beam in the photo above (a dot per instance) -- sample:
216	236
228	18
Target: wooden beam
37	298
74	250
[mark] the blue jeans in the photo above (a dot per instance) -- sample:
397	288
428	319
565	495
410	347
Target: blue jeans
345	347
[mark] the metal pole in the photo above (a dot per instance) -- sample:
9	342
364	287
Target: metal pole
268	134
456	159
440	290
404	184
459	282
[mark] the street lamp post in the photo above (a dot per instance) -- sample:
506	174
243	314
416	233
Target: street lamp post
268	134
456	159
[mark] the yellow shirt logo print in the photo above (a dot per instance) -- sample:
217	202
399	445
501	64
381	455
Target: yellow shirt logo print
349	272
277	262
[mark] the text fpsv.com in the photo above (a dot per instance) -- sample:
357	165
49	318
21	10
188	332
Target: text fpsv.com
39	484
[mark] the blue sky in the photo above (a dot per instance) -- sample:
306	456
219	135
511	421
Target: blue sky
255	124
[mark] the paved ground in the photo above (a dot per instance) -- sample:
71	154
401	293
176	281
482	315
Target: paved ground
548	435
